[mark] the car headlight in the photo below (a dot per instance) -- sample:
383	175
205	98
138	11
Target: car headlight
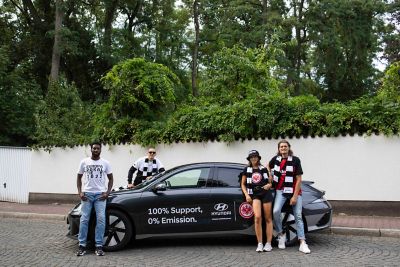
319	200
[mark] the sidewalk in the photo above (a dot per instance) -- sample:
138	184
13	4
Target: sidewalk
341	224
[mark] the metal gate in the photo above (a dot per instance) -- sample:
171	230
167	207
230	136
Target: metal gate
15	168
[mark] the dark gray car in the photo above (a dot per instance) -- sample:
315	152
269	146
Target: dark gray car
201	199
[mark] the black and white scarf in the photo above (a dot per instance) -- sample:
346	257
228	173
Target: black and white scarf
145	167
250	179
289	177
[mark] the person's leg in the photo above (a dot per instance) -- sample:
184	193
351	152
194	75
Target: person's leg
257	219
278	204
85	218
297	210
100	207
269	225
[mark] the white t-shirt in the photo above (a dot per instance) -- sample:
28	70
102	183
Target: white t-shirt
95	174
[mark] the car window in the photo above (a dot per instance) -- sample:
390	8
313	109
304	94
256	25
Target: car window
227	177
188	179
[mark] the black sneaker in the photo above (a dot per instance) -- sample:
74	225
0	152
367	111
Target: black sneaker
99	251
81	251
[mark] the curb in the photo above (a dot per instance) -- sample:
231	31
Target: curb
22	215
363	231
333	230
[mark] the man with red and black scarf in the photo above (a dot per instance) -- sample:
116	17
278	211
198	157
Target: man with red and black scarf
285	171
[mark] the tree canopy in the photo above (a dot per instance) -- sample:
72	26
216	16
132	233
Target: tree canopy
162	71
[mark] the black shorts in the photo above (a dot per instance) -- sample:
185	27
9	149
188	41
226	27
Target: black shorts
265	196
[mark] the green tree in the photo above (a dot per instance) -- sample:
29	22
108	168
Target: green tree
239	73
62	118
19	94
345	37
140	91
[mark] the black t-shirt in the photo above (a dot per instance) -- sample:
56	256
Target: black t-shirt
257	177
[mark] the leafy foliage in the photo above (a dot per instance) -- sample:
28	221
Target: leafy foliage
140	91
18	99
62	118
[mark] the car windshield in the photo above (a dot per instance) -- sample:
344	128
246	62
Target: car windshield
155	177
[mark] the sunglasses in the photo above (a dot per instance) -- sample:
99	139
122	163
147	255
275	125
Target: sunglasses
152	152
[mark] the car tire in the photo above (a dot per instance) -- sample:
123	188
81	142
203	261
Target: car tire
118	230
289	228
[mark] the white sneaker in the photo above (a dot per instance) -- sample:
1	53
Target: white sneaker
259	247
304	248
267	247
281	241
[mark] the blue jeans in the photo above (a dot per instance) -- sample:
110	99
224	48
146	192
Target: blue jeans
280	200
100	208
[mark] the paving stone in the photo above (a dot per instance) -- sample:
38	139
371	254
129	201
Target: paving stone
27	242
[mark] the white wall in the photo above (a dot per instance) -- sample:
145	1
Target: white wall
347	168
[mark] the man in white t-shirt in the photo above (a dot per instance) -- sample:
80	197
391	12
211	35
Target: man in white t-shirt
93	193
147	167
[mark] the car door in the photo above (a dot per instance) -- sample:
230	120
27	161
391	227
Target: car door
230	211
182	207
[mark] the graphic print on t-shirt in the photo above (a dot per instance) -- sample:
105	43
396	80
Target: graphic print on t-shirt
256	177
94	171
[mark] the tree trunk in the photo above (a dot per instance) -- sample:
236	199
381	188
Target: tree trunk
55	59
110	8
264	4
195	90
300	41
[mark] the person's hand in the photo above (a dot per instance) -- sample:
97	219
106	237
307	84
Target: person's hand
104	196
130	185
149	177
82	196
267	187
293	200
248	199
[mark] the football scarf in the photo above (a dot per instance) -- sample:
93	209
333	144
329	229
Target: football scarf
288	173
145	167
255	178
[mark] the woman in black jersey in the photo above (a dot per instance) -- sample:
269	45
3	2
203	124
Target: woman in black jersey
256	188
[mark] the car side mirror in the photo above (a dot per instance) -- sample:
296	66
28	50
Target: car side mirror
159	187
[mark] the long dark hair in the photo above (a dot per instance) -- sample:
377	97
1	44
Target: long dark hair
287	142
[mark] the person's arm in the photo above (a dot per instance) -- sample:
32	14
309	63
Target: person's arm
298	173
293	200
244	189
268	186
130	175
160	166
79	186
270	167
110	185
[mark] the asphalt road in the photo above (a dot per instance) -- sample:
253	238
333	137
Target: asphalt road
43	243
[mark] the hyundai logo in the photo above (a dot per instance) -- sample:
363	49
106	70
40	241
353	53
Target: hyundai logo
221	206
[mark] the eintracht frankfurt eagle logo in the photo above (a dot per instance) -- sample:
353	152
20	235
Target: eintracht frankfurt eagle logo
246	210
256	177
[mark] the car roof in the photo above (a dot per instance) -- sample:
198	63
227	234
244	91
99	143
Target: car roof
210	163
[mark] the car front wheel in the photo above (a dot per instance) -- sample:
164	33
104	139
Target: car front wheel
118	230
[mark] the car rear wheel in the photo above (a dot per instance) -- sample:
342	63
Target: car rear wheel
289	228
118	231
